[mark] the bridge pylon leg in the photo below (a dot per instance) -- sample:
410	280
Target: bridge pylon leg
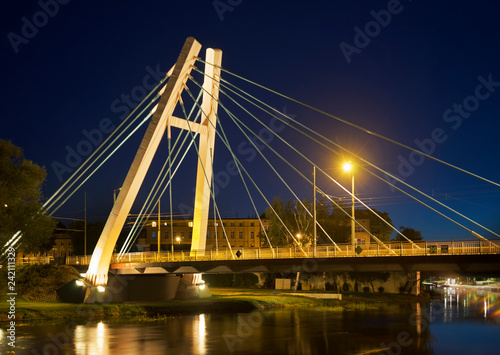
97	273
206	150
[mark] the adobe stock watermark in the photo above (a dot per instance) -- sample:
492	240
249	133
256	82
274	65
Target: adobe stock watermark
247	152
30	26
404	338
248	323
60	340
223	6
123	105
454	117
363	36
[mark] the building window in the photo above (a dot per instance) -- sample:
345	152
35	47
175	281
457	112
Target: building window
241	224
232	224
240	235
252	224
251	235
232	235
208	235
182	235
190	235
153	235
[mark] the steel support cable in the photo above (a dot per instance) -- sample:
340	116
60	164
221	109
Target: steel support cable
152	195
58	194
311	183
319	190
199	158
246	186
216	208
346	150
289	145
291	165
236	160
148	205
355	126
276	172
103	146
106	159
431	208
230	150
234	118
170	193
242	178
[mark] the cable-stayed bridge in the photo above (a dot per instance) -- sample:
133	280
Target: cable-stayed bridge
214	103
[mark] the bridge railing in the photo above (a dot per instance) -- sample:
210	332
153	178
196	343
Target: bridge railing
421	248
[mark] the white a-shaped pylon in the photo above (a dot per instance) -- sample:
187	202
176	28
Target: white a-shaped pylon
162	120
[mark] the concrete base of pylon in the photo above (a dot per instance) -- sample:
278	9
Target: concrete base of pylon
136	288
192	288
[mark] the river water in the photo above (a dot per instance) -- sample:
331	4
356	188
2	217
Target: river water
465	322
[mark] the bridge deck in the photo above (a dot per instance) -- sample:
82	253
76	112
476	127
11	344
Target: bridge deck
395	249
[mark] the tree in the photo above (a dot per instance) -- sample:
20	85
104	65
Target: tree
76	231
410	233
285	217
295	219
370	277
20	201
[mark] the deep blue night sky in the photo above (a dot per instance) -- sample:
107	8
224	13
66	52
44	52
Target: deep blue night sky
431	71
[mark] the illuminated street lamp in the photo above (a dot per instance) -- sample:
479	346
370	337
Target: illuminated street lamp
178	240
347	168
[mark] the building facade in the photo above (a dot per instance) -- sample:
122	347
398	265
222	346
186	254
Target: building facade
239	232
360	235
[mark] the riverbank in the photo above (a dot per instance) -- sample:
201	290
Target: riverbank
223	300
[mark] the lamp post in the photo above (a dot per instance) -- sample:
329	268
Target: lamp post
348	167
314	212
159	242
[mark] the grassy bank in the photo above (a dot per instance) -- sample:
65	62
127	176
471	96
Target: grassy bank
227	300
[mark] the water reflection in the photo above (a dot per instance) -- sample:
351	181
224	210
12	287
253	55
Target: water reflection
460	302
452	323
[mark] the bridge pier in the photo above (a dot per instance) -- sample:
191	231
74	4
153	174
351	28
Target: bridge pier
136	288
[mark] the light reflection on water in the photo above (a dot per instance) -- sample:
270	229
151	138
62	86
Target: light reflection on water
453	324
466	302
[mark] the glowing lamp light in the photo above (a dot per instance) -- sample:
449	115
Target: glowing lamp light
347	166
202	286
79	283
101	289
